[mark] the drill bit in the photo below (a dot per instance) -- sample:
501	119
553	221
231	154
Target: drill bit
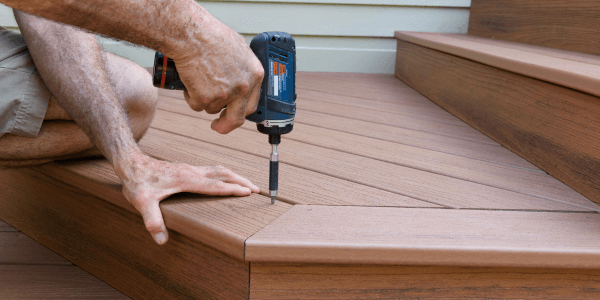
273	173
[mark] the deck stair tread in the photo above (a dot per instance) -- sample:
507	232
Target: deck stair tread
382	235
575	70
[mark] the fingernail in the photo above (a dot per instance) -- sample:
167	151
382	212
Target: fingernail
160	238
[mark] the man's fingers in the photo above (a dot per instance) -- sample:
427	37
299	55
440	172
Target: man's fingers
218	188
154	222
231	118
253	99
226	175
194	104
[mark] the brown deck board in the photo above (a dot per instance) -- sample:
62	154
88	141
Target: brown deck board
220	222
565	68
334	281
393	119
569	25
431	114
52	282
5	227
391	235
113	244
502	176
297	185
433	141
422	185
17	248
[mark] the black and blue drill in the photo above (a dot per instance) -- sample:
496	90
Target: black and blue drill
277	104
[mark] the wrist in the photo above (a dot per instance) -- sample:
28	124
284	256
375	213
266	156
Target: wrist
195	26
126	163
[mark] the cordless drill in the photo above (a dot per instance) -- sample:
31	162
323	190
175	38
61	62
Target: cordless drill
277	104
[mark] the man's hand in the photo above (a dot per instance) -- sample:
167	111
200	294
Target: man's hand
223	72
147	181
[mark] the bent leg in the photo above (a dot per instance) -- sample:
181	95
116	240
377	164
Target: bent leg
61	138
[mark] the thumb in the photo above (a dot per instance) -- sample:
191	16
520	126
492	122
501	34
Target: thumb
154	222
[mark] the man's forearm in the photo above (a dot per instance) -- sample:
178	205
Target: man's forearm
169	26
70	62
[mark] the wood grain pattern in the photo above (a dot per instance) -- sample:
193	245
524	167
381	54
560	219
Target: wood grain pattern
296	185
501	176
554	127
393	119
113	245
568	25
422	185
223	223
432	114
52	282
426	140
573	70
390	235
17	248
319	281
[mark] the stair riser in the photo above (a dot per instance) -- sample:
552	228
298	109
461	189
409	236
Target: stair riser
568	25
553	127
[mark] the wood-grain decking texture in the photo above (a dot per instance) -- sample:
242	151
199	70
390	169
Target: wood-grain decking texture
383	194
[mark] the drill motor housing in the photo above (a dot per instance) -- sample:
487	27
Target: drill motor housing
276	109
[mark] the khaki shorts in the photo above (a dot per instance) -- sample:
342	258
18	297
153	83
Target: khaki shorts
23	95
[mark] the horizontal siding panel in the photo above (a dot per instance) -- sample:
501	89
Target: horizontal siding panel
7	19
337	20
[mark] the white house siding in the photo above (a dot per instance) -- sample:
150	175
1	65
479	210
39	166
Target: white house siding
331	35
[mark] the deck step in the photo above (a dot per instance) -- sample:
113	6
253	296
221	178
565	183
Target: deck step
542	104
568	25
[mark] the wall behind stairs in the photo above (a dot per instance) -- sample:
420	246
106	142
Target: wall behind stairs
331	35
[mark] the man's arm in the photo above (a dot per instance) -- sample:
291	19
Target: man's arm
71	64
215	63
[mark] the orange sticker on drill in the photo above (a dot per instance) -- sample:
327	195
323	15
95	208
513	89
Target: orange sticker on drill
281	69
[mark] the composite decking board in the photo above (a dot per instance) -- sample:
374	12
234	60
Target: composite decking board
548	66
501	176
296	185
568	25
223	223
422	185
393	119
17	248
113	244
390	119
552	126
4	227
438	114
431	141
52	282
329	281
386	93
391	235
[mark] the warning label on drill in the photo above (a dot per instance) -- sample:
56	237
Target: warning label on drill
278	74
